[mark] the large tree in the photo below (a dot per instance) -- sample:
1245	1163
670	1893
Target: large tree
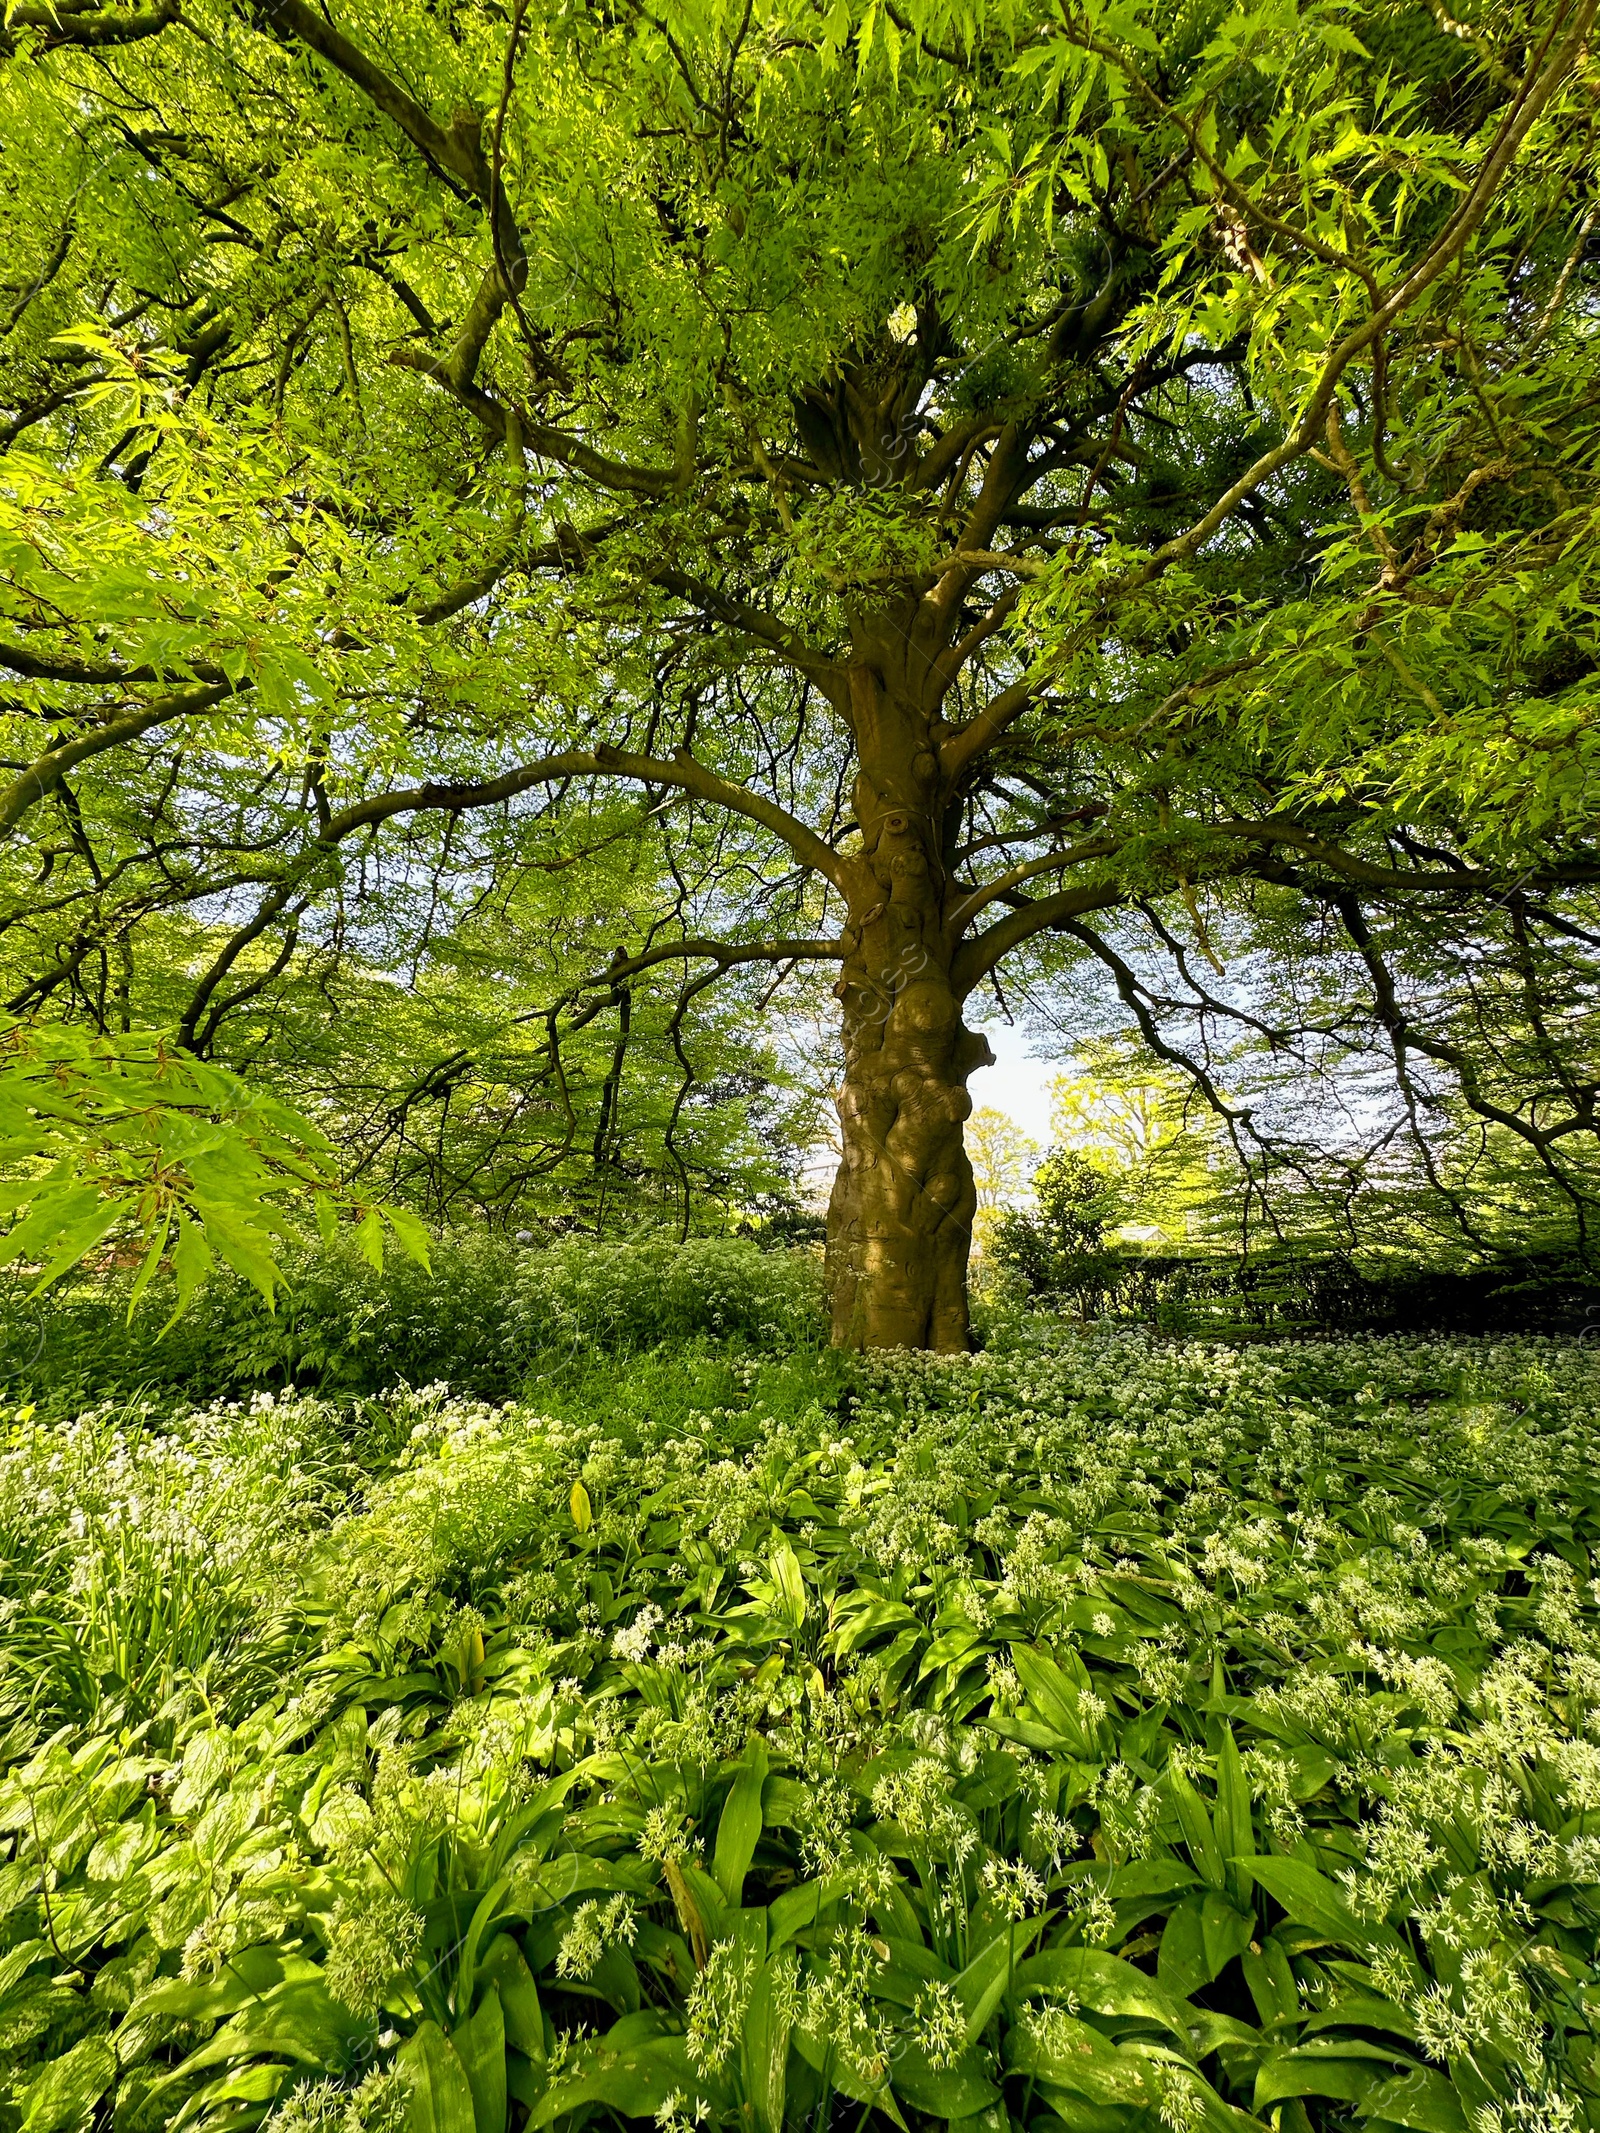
991	470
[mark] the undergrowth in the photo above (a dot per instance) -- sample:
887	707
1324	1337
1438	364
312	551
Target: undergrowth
1093	1733
486	1316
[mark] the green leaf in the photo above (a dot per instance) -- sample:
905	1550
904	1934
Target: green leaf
1071	2055
860	1616
739	1829
983	1984
16	1962
248	2084
1421	2099
151	1261
822	2056
1271	1982
78	1240
1235	1831
633	2078
1106	1984
1344	2072
192	1260
503	1967
616	1979
804	1906
480	2045
441	2095
1358	2010
369	1238
485	1912
140	1136
57	1204
243	1246
411	1232
525	2082
958	2091
791	1584
64	2094
766	2038
1200	1939
299	2019
1056	1697
1196	1824
252	1973
1311	1899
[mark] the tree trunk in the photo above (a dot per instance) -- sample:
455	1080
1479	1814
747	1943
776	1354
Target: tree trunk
900	1218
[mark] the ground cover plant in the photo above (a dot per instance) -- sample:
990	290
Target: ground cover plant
1094	1732
485	1313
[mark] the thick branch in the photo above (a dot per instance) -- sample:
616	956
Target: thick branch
1050	913
1026	870
1353	868
45	774
981	732
726	953
82	22
109	673
681	772
753	623
456	149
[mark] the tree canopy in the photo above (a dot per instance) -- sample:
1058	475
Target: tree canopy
1107	484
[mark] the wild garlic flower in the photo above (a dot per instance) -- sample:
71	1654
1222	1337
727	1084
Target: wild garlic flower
1052	1837
595	1929
918	1799
939	2023
1016	1891
1096	1915
373	1938
667	1835
1180	2096
718	1998
836	2003
633	1643
682	2114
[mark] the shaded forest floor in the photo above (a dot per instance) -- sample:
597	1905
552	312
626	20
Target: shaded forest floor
1098	1730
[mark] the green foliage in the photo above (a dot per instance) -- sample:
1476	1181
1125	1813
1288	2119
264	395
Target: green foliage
104	1140
1141	1123
1150	443
483	1314
1432	657
1057	1248
1096	1732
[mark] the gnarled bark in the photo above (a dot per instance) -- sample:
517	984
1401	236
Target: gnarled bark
900	1218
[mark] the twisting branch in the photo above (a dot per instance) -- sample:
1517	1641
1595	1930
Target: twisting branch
1049	914
45	773
680	771
1404	1038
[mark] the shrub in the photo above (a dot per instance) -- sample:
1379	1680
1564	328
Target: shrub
1287	1287
1057	1249
488	1313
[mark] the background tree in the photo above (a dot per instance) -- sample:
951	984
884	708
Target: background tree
1002	1158
983	470
1059	1248
1145	1125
